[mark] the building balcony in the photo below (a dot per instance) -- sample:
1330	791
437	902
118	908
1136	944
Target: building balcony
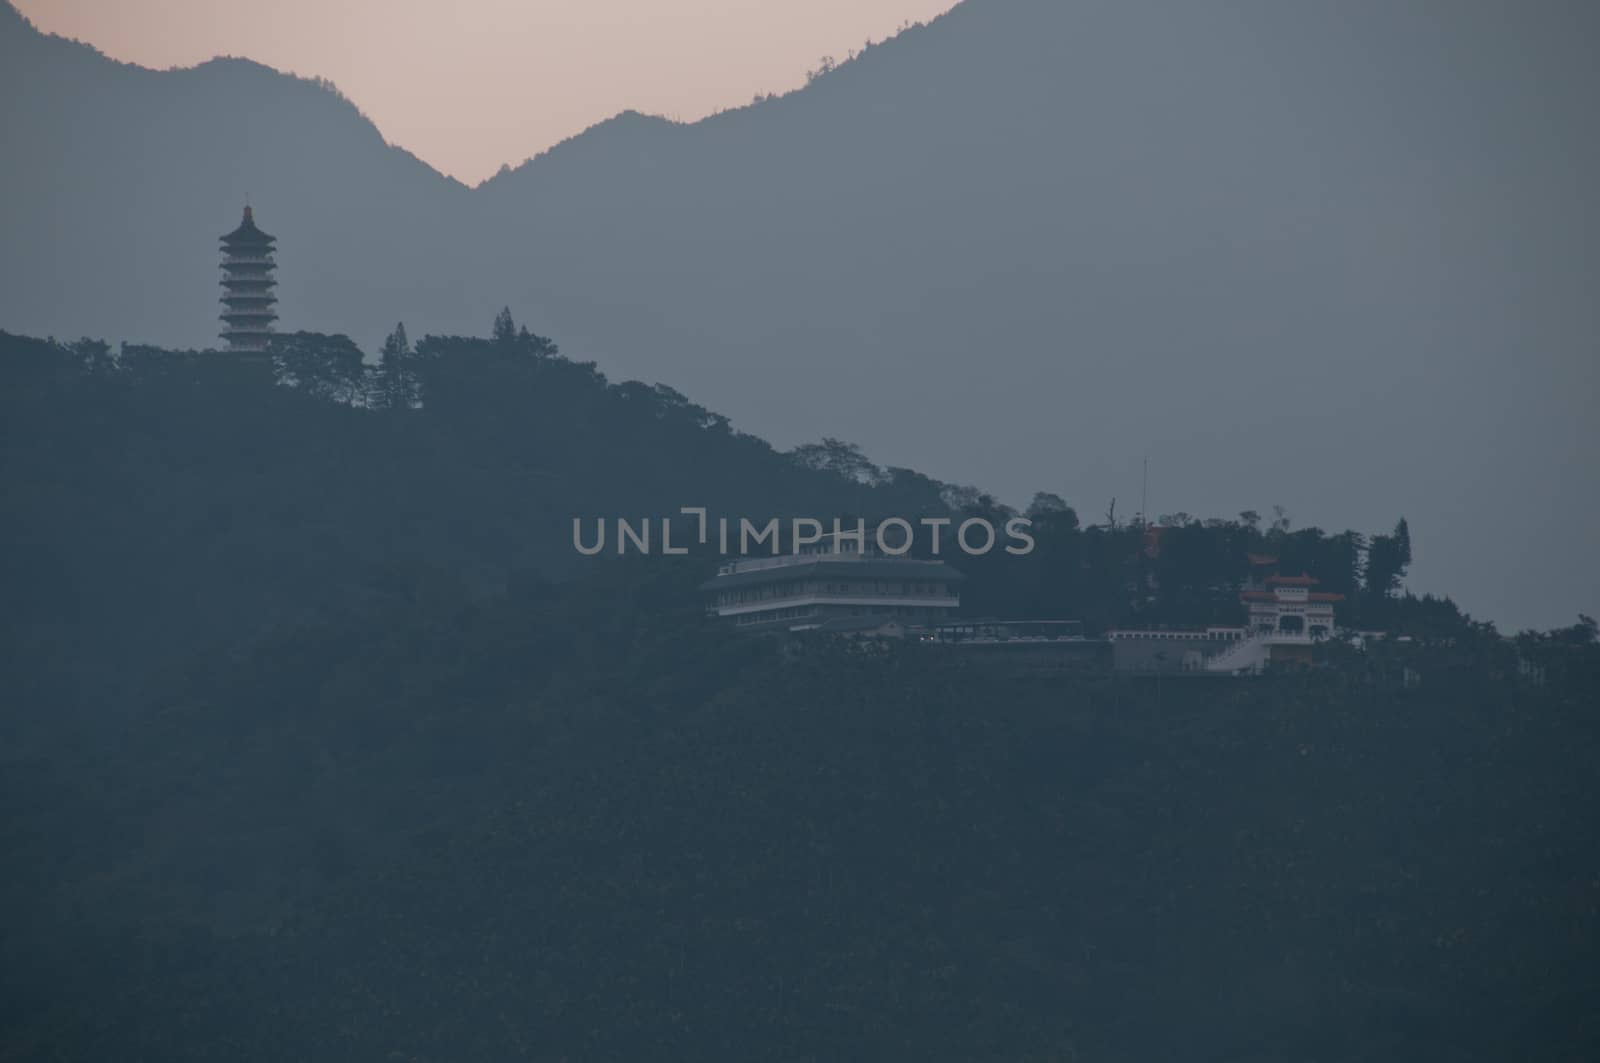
872	602
792	560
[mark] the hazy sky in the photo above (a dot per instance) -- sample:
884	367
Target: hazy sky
471	84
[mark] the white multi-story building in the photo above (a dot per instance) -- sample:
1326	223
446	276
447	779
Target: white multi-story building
833	587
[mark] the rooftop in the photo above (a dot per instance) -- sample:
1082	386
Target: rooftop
247	234
1313	596
828	566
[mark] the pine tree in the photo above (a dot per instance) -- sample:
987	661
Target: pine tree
505	329
1388	557
397	387
397	346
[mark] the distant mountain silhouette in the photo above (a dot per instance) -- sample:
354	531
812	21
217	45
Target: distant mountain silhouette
1333	257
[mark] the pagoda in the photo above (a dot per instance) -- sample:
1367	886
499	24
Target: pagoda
247	284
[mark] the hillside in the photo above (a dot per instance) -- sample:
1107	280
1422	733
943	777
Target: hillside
321	742
1296	255
576	823
163	507
322	739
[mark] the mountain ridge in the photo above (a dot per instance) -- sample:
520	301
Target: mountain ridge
1024	241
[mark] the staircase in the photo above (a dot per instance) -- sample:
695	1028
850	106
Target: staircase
1248	655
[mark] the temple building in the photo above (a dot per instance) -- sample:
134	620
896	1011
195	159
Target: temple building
833	587
1286	618
1288	606
247	284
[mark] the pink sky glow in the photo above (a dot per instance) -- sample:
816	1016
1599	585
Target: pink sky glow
470	85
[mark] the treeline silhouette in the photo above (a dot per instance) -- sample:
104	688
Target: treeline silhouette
165	500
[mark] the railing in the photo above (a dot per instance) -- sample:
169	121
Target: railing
756	564
1249	652
871	602
1209	635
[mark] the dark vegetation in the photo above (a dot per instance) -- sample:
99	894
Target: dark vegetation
322	743
162	502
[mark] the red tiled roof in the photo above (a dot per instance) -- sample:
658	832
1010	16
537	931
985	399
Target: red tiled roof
1302	580
1268	596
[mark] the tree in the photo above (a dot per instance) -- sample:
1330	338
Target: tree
505	329
825	66
397	345
535	344
913	491
838	457
1050	511
1388	557
1045	502
397	386
1586	632
95	354
330	366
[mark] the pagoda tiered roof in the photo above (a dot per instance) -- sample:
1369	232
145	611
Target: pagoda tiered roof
247	234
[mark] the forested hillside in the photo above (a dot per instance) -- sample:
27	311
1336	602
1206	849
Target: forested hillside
321	742
165	506
162	505
574	823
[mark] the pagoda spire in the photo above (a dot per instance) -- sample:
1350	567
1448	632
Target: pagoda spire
247	286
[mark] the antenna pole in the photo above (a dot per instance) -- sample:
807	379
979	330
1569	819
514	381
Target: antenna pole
1144	496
